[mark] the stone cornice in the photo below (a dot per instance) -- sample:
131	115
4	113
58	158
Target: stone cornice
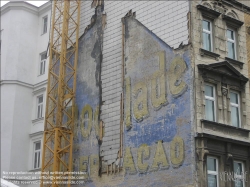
207	12
17	5
232	140
17	82
44	8
21	83
237	4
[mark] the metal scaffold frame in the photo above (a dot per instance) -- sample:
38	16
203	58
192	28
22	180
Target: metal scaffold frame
60	110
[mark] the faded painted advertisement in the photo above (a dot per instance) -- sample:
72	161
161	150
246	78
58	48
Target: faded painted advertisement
88	99
158	110
157	147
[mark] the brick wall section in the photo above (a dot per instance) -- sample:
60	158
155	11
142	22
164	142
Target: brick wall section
167	19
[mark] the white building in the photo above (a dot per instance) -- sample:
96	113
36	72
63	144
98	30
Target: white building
24	70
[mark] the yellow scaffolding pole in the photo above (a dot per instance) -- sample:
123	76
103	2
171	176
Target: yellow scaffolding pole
60	101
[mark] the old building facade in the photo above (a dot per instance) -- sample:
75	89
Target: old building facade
162	98
220	57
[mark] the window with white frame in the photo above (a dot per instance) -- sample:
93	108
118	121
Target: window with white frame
231	44
235	109
212	172
43	57
210	103
207	35
40	106
44	24
37	155
239	174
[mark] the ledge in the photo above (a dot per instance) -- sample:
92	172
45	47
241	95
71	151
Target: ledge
204	52
231	140
225	129
232	22
235	62
207	12
37	120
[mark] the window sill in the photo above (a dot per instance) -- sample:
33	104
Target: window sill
37	120
235	62
204	52
207	12
43	33
232	22
35	170
225	129
40	75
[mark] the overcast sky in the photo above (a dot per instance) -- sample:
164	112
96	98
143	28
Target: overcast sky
34	2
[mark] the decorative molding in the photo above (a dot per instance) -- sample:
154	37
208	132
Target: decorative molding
224	90
17	5
222	138
226	70
39	133
235	62
17	82
232	22
204	52
44	8
223	128
35	92
207	12
37	120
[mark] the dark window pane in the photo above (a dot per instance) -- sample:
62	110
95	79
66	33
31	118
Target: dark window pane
40	99
230	34
206	25
234	98
209	108
207	41
38	112
238	183
238	168
211	164
38	163
38	145
231	50
209	91
35	161
212	181
235	116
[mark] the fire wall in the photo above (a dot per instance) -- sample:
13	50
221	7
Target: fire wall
156	144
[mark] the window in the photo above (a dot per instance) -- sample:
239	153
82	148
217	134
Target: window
37	154
235	109
44	24
239	174
231	44
212	172
207	35
210	102
43	57
39	106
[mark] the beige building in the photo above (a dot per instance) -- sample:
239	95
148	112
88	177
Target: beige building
220	41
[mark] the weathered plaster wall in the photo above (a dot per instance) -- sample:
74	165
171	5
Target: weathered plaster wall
167	19
88	97
158	110
157	148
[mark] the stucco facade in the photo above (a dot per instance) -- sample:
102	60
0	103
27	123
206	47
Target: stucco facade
22	42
